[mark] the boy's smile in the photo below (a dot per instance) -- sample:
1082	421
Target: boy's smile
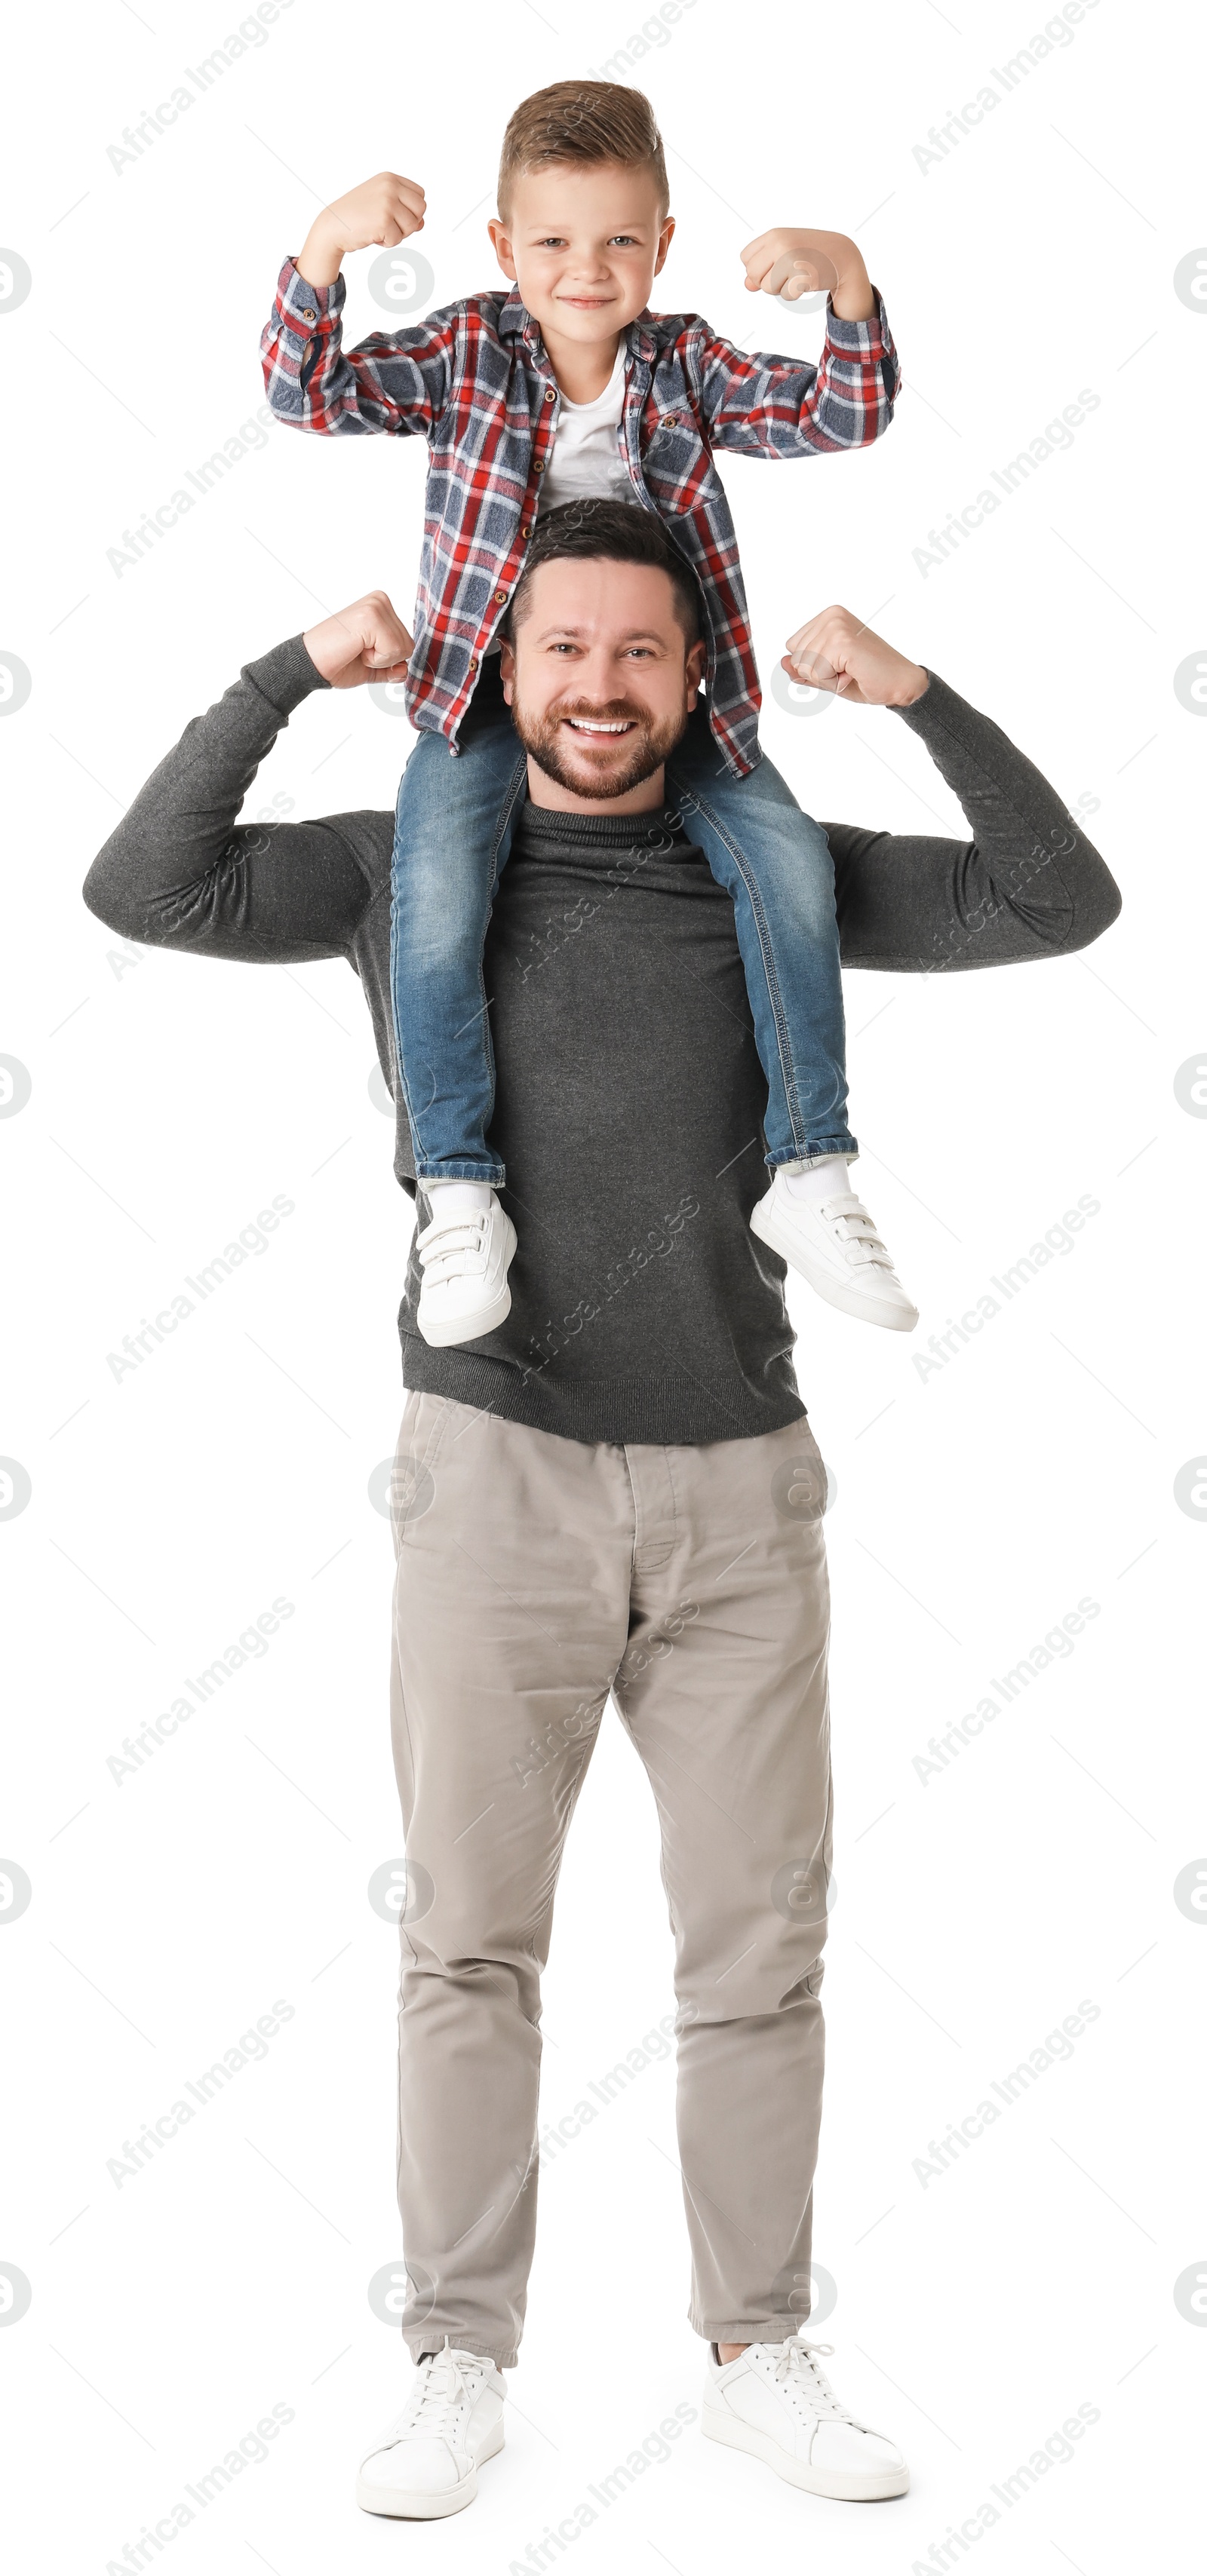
583	247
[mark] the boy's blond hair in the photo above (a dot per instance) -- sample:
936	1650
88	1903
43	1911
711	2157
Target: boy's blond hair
582	122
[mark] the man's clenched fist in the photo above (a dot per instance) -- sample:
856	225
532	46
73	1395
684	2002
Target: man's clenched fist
836	651
365	642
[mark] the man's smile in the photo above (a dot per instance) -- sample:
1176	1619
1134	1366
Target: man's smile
599	724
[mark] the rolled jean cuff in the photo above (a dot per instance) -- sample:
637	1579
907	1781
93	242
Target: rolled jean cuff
817	1151
492	1172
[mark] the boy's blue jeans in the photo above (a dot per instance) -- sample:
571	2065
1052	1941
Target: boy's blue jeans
454	824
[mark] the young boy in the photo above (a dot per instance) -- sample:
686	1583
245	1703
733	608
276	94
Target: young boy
566	390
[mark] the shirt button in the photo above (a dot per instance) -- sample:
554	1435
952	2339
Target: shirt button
670	420
551	393
540	464
500	595
526	530
473	662
308	313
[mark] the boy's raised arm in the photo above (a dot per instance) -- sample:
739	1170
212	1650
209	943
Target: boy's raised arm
395	381
761	405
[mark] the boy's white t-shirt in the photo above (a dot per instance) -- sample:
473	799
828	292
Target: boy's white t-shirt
585	458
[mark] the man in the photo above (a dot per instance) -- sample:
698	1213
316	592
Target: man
617	1491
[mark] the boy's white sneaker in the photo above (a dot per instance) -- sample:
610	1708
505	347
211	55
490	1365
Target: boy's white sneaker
426	2463
465	1254
776	2401
834	1245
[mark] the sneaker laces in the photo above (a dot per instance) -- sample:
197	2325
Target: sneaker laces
442	1248
798	2368
854	1230
446	2381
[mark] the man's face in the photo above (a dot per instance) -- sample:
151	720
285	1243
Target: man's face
600	679
584	247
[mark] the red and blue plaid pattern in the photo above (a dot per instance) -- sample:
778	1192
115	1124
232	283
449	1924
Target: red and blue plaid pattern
474	380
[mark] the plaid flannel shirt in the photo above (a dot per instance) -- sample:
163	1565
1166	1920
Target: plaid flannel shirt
475	381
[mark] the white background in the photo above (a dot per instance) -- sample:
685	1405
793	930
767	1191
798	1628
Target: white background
172	1098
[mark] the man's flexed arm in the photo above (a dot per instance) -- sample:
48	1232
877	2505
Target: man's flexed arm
182	872
1027	884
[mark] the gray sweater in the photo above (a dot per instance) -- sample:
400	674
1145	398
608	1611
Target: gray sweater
630	1094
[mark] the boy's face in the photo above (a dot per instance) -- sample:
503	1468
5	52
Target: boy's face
600	679
583	246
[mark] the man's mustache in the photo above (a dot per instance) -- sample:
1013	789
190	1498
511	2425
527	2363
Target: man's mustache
618	711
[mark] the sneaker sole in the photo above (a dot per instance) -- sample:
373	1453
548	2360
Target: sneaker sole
870	2489
426	2508
835	1292
468	1328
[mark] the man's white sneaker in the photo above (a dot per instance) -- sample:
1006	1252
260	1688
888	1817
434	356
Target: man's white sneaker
426	2463
465	1254
834	1245
776	2401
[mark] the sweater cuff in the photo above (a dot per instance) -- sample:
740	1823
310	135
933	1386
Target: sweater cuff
935	711
285	676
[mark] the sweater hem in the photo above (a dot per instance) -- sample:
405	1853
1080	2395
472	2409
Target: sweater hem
673	1411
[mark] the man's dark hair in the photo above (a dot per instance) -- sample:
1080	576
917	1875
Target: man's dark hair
590	531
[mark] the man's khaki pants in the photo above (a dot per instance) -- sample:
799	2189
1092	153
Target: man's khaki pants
536	1575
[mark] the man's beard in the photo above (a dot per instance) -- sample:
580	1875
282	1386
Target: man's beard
646	748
